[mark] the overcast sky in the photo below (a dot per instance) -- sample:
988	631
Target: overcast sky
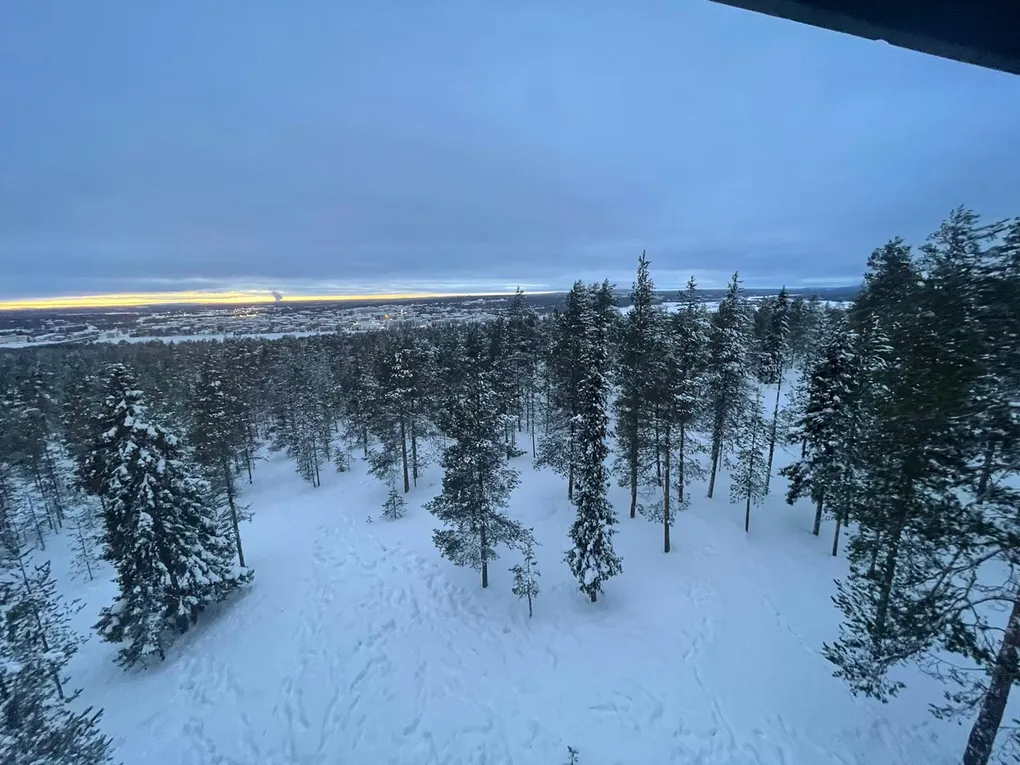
406	145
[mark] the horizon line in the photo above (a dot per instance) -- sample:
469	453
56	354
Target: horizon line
225	297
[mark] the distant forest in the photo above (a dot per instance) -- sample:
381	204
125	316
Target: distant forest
904	409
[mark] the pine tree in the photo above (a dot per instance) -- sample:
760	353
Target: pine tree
37	723
394	507
477	481
160	533
218	435
832	425
750	473
558	446
592	559
728	383
524	339
526	573
640	342
773	362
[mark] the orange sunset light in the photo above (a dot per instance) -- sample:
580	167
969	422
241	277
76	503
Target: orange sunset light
236	297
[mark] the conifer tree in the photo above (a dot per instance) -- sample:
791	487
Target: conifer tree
524	338
217	436
37	723
640	338
477	481
750	473
774	358
160	530
832	426
679	395
728	383
558	446
394	507
592	559
526	573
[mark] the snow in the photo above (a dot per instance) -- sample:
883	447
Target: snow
358	644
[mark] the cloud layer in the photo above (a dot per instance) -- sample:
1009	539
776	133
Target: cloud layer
362	146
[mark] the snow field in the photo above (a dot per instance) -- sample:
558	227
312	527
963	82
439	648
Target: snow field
358	645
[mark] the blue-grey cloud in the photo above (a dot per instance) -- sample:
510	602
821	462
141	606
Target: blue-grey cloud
299	145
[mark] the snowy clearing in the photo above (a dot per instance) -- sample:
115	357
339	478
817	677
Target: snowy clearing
358	645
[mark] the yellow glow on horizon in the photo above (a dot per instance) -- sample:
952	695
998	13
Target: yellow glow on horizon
236	297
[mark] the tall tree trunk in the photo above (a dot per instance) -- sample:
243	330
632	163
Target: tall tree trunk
886	586
632	458
818	516
835	537
772	434
658	453
716	448
750	471
665	497
85	553
403	454
414	449
681	465
485	560
986	471
228	480
993	707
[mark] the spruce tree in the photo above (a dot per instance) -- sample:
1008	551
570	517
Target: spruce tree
558	446
526	573
160	530
679	395
832	425
750	471
37	723
635	378
775	353
728	381
217	437
592	559
394	507
477	481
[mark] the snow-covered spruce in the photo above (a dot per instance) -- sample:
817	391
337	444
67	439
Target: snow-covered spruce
38	726
526	573
592	559
161	534
477	481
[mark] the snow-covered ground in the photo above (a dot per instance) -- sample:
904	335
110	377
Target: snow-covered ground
359	645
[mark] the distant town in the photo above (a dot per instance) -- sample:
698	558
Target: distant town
25	329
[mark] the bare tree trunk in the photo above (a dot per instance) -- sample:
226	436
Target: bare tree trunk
85	553
716	448
483	544
403	455
680	467
835	537
818	516
632	459
986	471
232	504
665	498
993	707
772	434
414	450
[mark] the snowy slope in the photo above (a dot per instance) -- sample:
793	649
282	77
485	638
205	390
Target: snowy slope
358	645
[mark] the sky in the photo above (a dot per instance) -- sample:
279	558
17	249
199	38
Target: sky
390	146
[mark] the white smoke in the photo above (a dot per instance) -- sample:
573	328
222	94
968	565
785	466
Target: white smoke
277	296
